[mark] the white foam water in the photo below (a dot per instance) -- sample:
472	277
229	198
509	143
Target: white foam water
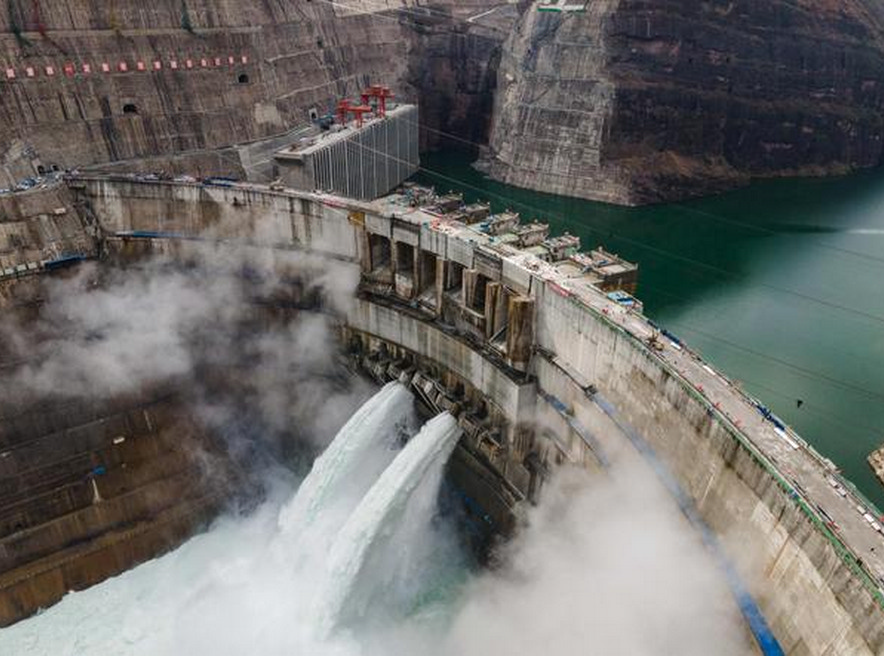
259	585
342	475
377	553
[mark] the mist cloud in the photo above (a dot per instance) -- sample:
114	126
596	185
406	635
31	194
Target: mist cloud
167	320
606	566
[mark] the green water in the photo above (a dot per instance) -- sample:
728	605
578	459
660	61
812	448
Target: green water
780	284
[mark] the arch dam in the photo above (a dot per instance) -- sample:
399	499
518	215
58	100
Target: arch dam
540	366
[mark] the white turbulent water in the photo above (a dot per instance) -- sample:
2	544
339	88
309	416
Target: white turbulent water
378	558
341	476
261	585
605	567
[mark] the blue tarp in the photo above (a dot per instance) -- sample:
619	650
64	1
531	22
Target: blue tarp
60	263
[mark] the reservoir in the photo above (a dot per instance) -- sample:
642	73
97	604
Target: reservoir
779	284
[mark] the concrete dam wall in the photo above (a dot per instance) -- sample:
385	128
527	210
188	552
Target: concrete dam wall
433	291
541	368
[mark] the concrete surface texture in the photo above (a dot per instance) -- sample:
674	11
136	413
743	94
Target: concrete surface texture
362	162
41	224
62	529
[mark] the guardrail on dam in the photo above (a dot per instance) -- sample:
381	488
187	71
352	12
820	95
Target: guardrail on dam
516	343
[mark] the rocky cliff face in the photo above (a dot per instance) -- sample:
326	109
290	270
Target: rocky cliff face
638	101
202	75
454	58
630	101
182	76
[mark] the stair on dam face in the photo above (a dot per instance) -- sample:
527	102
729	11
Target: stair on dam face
57	462
28	427
141	510
44	582
140	504
84	496
22	470
60	499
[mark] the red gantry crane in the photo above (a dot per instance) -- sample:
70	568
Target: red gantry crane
359	111
343	109
377	92
381	94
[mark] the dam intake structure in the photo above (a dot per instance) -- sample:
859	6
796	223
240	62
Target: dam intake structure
490	320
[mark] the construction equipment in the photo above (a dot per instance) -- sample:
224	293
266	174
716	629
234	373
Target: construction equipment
359	111
381	94
343	108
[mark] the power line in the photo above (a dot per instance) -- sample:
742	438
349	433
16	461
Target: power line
417	15
711	215
831	417
803	371
659	251
669	293
799	369
381	6
808	373
686	208
664	253
762	229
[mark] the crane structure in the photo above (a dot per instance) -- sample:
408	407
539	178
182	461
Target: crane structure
359	111
380	94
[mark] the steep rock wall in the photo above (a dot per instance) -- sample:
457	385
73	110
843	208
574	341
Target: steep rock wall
255	70
554	103
266	64
636	101
630	101
454	58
